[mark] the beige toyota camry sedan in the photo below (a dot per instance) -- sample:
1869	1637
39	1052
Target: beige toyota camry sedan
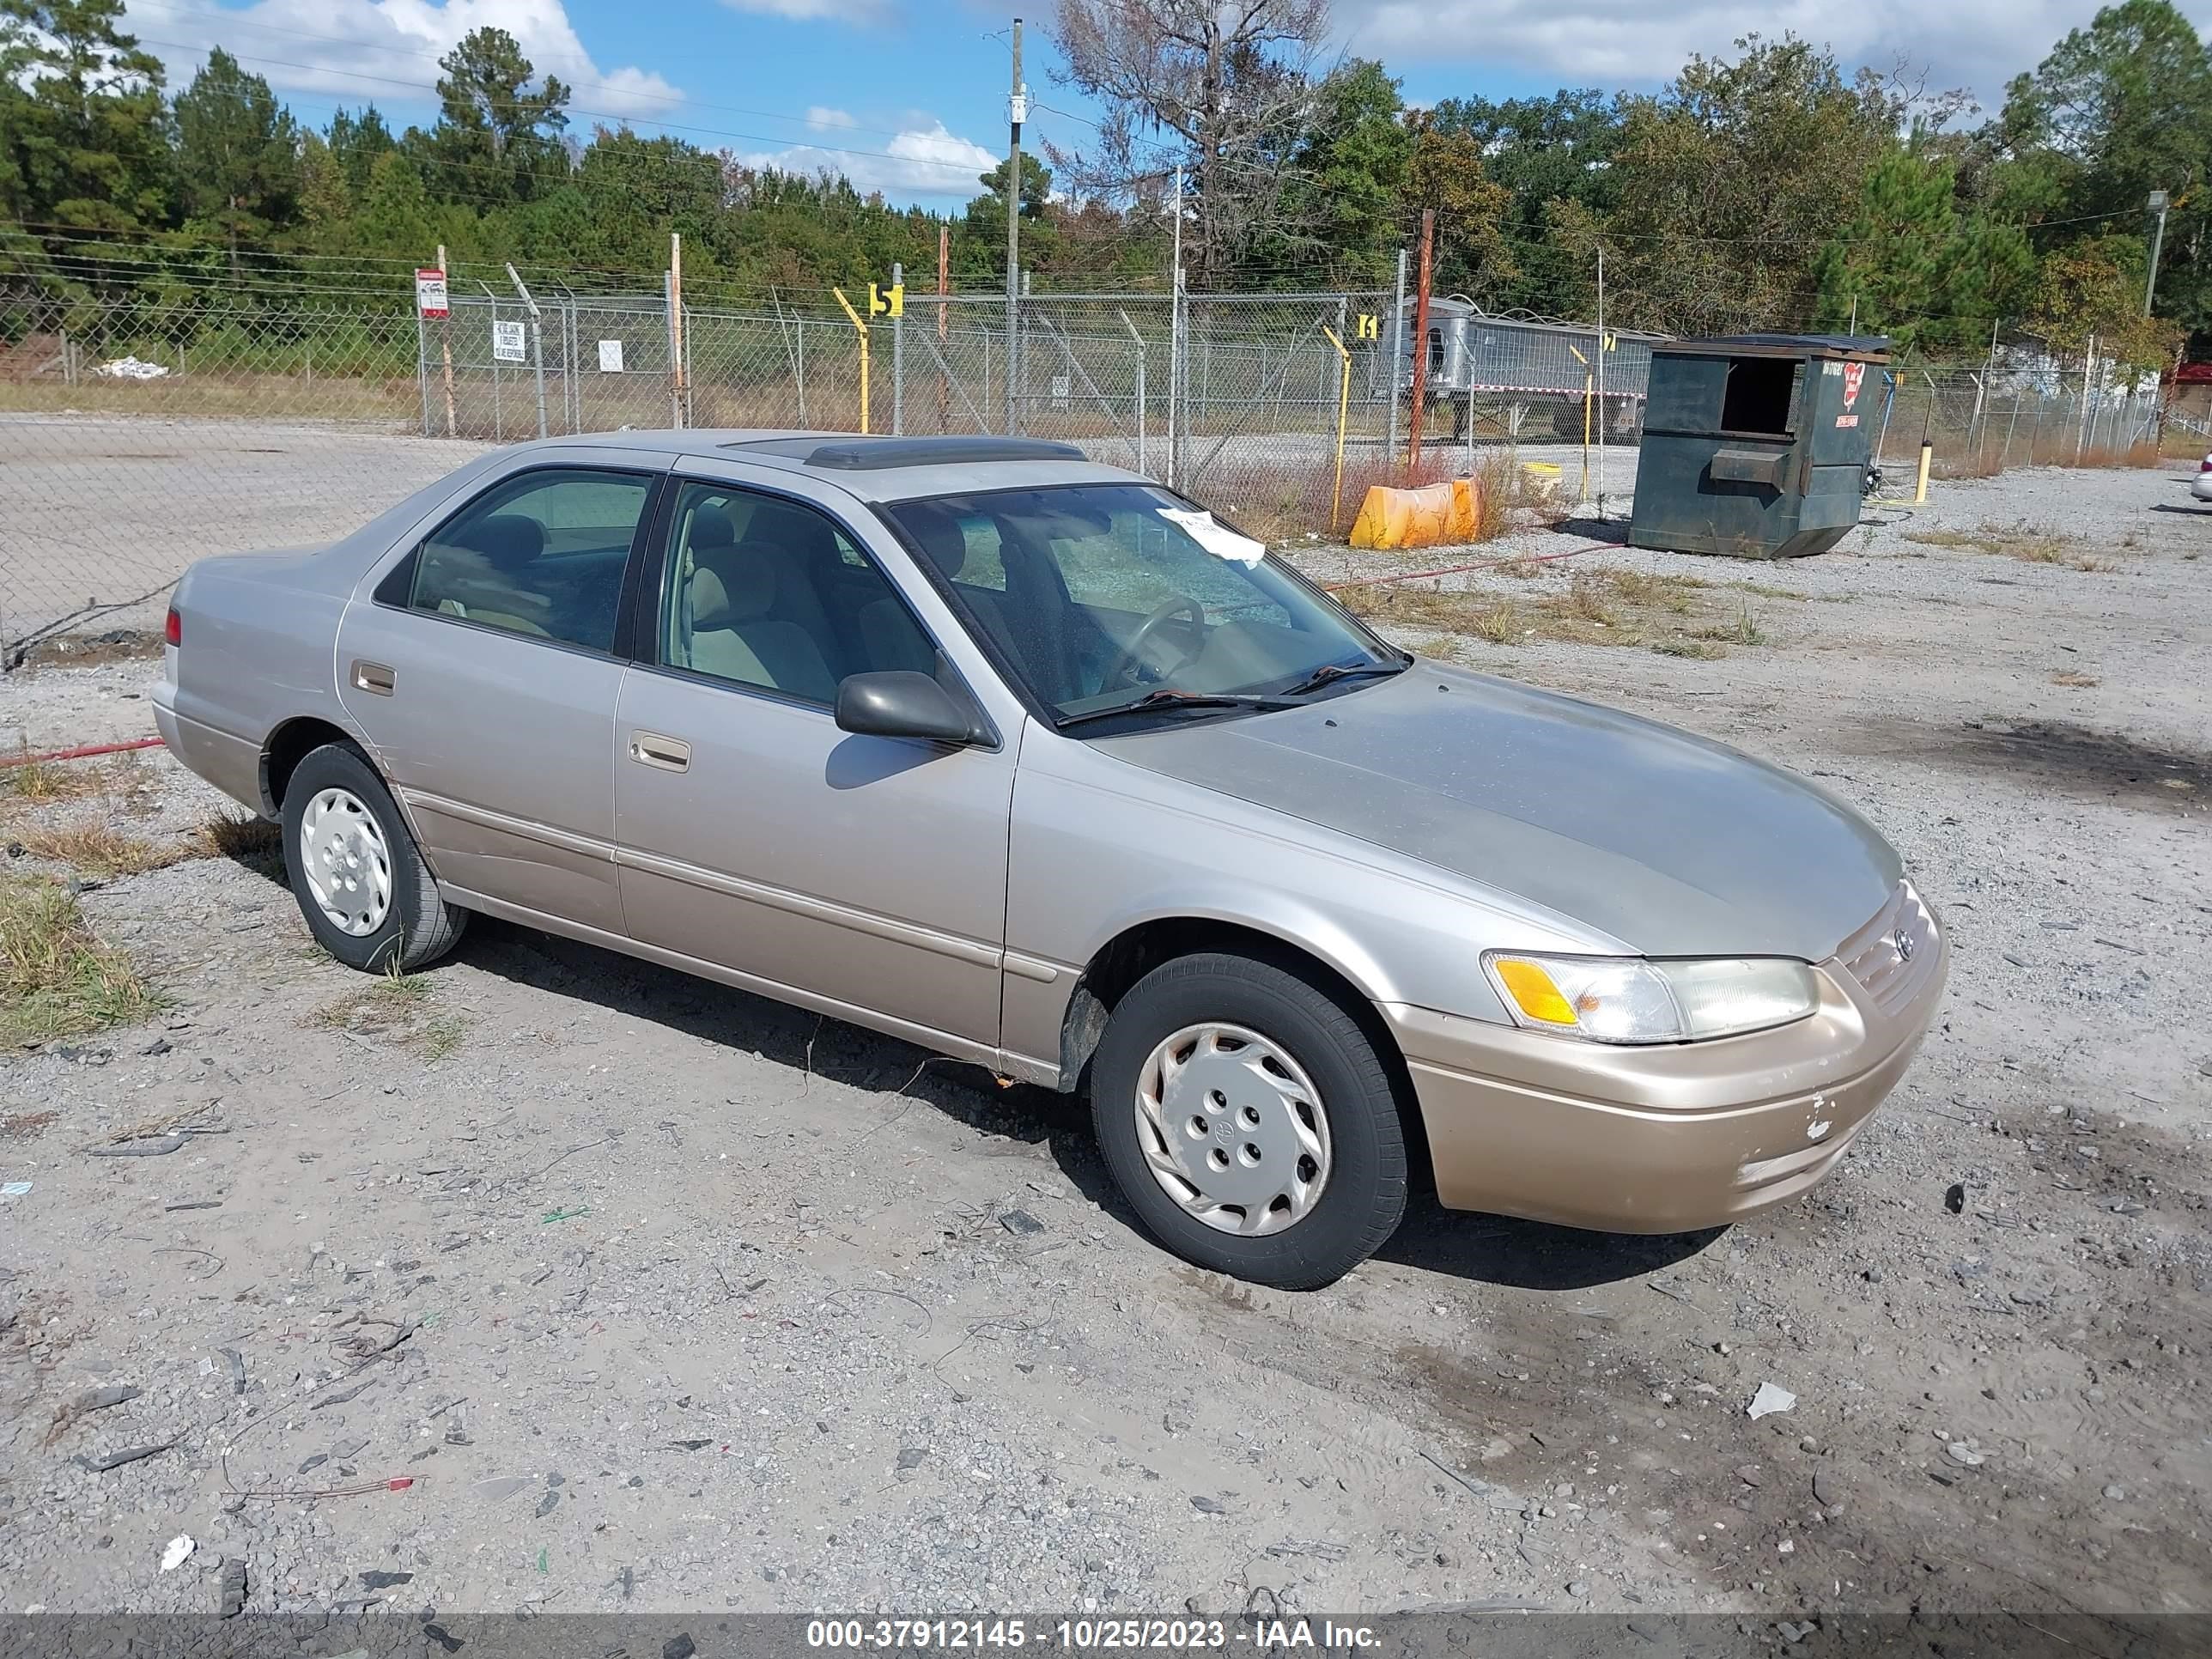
1035	762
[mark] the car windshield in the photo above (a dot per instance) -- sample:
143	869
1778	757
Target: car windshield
1103	597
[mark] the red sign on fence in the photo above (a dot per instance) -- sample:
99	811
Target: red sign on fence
430	291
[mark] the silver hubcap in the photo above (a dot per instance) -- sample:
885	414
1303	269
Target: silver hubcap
1232	1130
348	868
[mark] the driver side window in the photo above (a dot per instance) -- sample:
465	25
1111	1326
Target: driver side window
770	593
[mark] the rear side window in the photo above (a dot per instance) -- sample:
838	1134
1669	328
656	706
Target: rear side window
541	554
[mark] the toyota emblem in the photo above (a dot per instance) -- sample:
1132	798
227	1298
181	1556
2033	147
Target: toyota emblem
1903	941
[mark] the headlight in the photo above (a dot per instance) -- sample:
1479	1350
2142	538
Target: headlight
1631	999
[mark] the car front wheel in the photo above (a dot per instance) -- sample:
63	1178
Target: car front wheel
369	899
1249	1121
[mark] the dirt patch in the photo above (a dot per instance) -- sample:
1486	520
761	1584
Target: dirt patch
1676	616
91	650
2055	754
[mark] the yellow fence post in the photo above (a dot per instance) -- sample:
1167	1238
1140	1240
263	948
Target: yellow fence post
1343	413
863	330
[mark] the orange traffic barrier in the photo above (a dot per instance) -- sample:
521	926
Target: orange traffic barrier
1425	517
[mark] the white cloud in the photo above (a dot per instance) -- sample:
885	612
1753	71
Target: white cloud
863	12
1976	43
821	118
928	160
387	51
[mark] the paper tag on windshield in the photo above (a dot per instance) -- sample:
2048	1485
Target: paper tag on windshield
1215	537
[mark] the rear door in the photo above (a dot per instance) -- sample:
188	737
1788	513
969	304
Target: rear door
484	667
862	873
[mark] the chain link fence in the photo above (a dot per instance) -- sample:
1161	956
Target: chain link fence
137	435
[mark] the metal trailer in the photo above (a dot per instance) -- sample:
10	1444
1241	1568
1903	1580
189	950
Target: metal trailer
1757	445
1529	374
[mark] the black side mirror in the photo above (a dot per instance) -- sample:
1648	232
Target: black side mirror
900	703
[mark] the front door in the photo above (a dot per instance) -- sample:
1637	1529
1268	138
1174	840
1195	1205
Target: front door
867	874
484	669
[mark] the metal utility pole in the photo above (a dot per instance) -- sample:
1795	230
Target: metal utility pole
1018	109
1601	379
898	354
2157	242
676	353
445	338
1177	417
537	342
1421	339
1397	356
944	267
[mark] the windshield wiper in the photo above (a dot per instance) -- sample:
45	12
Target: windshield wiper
1329	672
1167	697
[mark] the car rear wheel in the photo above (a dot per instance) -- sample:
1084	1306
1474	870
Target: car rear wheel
369	899
1249	1121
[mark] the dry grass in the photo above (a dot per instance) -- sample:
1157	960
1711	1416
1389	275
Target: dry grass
255	843
1600	606
2000	451
57	978
24	779
1282	502
2029	543
2075	679
1743	631
99	848
398	1008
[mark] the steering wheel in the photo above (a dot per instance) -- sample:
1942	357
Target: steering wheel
1126	660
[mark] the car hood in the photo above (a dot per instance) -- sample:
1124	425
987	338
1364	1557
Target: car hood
1671	844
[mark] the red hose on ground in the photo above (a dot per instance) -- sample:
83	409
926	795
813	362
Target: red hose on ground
1458	570
83	753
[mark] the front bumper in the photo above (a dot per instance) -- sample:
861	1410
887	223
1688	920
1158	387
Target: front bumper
1674	1138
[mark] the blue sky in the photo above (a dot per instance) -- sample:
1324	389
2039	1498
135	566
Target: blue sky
908	96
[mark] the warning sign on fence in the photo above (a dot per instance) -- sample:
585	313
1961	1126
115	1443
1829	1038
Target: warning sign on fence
507	342
430	291
611	357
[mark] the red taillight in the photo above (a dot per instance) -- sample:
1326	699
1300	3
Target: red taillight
172	630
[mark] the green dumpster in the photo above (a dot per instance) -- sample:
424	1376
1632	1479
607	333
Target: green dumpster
1756	445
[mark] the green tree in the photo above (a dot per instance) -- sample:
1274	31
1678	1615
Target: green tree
356	141
983	224
1555	148
2118	110
395	215
2091	290
1730	180
1341	216
86	137
326	197
1444	174
498	137
237	154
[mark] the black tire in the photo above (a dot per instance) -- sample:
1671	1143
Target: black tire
1364	1196
420	926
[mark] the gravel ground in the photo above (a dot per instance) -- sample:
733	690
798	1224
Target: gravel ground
103	510
665	1298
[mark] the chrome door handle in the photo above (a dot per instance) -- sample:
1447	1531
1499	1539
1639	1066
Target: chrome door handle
372	677
668	754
